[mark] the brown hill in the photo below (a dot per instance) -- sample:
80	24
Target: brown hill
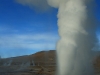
43	62
40	62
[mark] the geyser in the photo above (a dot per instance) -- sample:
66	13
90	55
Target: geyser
77	36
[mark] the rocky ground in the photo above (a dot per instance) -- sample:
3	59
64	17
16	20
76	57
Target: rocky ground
40	63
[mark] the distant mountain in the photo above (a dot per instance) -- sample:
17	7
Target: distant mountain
42	56
39	60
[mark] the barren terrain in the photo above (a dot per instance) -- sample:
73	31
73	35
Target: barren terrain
40	63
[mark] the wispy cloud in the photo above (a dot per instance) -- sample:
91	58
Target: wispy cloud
26	41
3	29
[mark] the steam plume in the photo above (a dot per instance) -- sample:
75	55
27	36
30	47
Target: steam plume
74	49
38	4
77	36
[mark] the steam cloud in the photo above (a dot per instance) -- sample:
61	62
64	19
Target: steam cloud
77	32
74	49
38	4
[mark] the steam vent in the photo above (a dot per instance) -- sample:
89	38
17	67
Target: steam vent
40	63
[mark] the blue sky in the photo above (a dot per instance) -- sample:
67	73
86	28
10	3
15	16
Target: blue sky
97	13
25	30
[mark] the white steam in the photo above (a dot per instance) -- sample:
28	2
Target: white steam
77	36
74	49
37	4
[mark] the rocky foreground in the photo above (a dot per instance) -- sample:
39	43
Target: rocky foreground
40	63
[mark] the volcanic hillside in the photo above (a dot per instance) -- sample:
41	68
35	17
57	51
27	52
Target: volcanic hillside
29	63
43	62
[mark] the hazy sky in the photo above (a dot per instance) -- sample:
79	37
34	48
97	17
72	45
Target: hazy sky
25	30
